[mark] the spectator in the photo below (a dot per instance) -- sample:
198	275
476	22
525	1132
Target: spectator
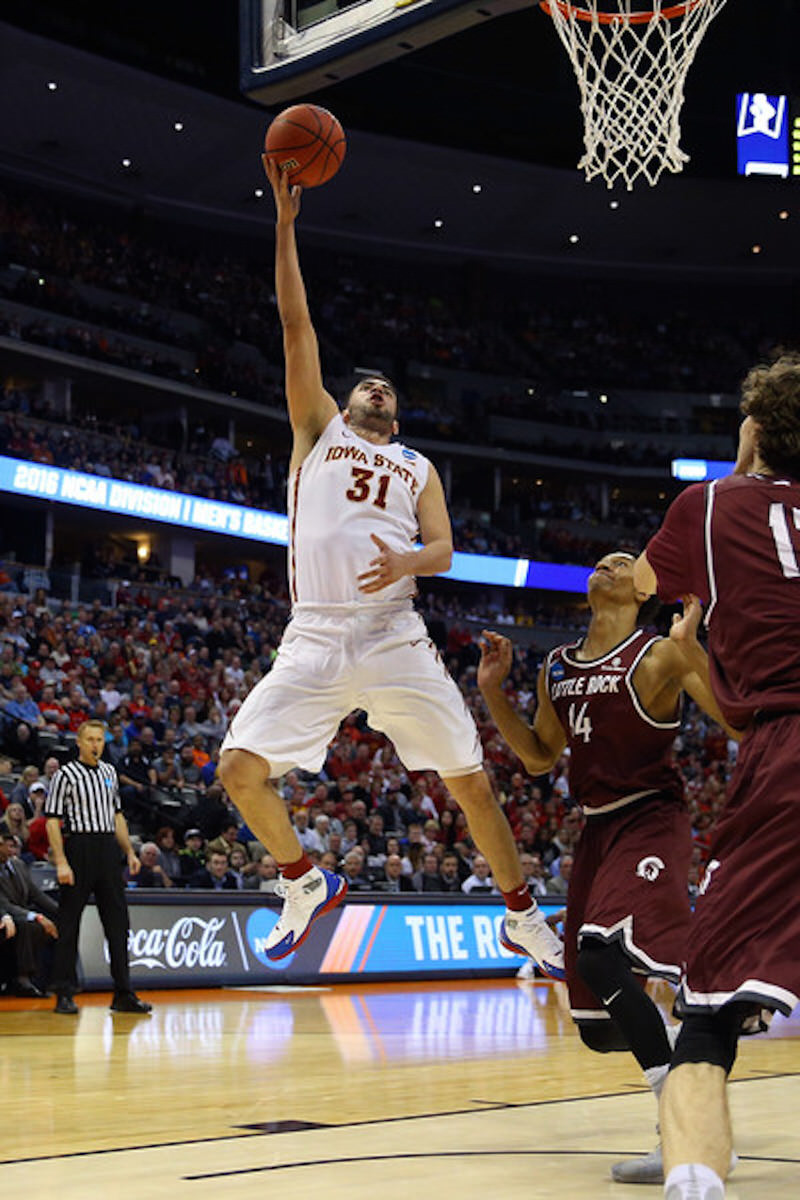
228	838
151	873
32	912
535	874
480	882
167	770
354	871
308	838
450	880
192	856
21	722
216	874
558	884
14	823
137	777
394	879
191	773
265	877
21	792
427	879
240	865
169	858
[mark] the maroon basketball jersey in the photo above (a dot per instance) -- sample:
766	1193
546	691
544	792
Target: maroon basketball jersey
618	752
736	544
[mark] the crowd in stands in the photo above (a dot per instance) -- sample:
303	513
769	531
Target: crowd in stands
106	281
167	678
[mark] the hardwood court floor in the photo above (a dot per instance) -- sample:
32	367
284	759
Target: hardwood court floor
468	1090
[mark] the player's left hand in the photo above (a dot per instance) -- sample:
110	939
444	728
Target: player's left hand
497	655
134	866
387	567
684	628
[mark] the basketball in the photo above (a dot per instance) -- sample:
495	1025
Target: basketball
308	143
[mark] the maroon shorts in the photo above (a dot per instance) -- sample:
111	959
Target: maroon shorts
745	936
630	884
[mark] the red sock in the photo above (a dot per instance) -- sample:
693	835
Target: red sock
519	900
294	870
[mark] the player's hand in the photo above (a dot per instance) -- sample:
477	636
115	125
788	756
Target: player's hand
47	925
496	657
387	567
134	866
65	874
287	199
684	628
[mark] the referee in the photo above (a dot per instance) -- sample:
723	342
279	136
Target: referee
84	796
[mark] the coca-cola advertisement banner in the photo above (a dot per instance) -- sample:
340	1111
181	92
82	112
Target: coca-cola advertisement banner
201	940
194	942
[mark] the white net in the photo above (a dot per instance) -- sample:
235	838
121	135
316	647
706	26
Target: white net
631	67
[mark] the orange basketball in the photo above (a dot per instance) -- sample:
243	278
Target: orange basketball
307	142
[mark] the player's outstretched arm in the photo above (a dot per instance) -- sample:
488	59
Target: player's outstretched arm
538	746
695	678
310	406
681	659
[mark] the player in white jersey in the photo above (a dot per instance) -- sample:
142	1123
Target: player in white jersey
359	503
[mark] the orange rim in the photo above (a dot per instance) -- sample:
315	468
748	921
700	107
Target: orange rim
586	14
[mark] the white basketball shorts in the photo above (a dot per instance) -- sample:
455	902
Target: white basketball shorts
378	658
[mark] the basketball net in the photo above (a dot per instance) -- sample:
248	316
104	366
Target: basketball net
631	68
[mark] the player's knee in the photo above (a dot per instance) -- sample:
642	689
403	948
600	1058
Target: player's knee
709	1038
599	965
240	771
602	1036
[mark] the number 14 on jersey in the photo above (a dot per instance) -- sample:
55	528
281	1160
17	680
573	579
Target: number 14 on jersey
580	724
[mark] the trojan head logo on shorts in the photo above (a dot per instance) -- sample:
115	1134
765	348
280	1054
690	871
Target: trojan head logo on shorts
650	867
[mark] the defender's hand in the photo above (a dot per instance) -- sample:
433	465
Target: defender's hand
497	654
684	628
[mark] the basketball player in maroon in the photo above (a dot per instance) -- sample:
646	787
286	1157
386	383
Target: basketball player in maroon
614	698
736	543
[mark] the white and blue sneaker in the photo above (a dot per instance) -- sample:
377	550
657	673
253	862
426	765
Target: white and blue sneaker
528	933
305	899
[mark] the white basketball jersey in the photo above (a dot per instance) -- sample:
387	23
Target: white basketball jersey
345	490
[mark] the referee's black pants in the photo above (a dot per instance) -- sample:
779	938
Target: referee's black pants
97	867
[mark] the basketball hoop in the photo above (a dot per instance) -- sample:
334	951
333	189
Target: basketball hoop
631	66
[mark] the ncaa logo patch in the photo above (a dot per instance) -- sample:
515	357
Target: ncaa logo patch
259	925
650	868
557	671
411	455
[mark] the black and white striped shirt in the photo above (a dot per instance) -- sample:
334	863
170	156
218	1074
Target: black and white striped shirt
87	798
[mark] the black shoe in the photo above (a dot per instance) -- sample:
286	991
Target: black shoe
129	1002
65	1004
27	990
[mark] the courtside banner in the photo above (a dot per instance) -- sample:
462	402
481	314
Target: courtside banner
61	486
202	940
